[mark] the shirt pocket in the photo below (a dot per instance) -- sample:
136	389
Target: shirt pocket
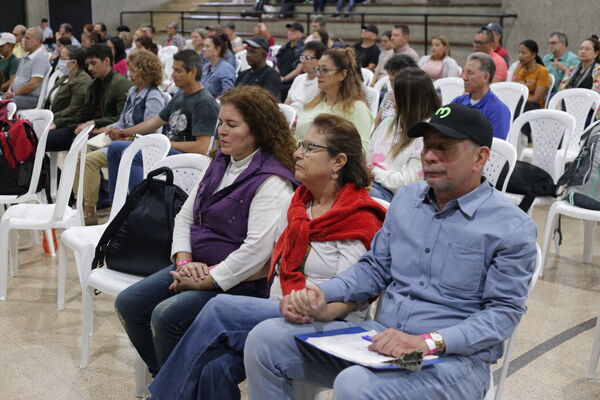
464	270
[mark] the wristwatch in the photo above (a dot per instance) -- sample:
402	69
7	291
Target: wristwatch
430	344
439	341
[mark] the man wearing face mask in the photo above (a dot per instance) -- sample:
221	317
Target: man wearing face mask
67	97
104	100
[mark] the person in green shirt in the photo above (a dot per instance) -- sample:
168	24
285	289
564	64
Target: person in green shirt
560	58
9	62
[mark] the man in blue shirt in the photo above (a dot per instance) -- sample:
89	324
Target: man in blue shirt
451	265
478	74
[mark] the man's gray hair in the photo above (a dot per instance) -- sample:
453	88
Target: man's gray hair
562	37
486	63
174	25
320	19
37	33
21	28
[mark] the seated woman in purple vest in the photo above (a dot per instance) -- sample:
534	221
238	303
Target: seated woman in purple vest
329	224
223	235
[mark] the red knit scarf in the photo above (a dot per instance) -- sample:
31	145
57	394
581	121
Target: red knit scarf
354	215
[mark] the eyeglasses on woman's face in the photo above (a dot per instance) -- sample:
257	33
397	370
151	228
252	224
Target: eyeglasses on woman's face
324	69
310	148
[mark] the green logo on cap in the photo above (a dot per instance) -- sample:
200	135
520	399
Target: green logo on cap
443	112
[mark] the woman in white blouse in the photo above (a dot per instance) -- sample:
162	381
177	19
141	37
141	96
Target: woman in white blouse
394	158
224	233
439	64
318	239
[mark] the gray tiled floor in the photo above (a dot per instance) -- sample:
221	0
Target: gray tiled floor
40	346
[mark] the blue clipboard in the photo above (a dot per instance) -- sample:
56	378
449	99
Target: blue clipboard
303	337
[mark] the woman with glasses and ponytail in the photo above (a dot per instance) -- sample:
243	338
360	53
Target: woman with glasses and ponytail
340	92
328	225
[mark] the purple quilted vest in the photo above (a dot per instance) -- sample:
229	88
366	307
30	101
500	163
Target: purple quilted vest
221	219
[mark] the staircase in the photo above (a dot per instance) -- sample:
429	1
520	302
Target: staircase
444	18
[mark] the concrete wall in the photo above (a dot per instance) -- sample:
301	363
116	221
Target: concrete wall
108	11
538	18
36	10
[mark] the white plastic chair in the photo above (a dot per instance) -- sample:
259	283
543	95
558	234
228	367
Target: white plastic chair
381	82
549	92
511	93
496	393
274	50
589	217
289	112
372	99
367	76
167	63
595	353
242	63
548	129
511	71
11	109
188	170
167	51
451	88
578	103
83	239
43	216
501	153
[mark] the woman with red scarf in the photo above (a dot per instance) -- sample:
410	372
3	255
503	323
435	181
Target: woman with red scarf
329	224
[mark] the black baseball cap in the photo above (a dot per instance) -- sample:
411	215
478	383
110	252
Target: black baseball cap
257	43
371	28
295	26
458	122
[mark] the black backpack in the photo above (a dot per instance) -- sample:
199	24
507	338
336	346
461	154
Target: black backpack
138	240
531	181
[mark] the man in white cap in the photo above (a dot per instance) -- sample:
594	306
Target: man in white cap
9	62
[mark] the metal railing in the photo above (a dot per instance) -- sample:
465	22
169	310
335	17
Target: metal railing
219	15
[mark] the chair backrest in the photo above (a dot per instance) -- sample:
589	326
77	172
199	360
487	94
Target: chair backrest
11	109
289	112
167	67
501	153
381	82
451	88
167	51
372	99
548	129
511	341
549	92
44	90
154	148
579	103
41	121
242	63
367	76
77	151
511	94
511	71
51	80
274	50
188	169
167	97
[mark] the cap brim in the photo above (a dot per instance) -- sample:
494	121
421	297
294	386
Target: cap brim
419	129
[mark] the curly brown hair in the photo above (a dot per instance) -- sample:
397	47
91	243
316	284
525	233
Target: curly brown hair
351	88
148	65
266	121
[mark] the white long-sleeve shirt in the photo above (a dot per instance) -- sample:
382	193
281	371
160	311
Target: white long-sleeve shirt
270	197
393	173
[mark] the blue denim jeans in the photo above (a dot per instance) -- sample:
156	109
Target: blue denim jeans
273	360
155	318
377	190
340	4
208	361
115	151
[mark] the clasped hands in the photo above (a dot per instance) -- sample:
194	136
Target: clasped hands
309	305
191	276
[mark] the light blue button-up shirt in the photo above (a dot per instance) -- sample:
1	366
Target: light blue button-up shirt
462	272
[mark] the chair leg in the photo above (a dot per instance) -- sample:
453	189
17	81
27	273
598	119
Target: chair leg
50	240
14	252
86	325
595	354
589	233
550	226
62	276
142	376
4	244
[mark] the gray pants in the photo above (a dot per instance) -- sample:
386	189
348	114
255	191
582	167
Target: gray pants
25	102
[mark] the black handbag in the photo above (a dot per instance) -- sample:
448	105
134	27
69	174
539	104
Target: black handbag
530	181
138	240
